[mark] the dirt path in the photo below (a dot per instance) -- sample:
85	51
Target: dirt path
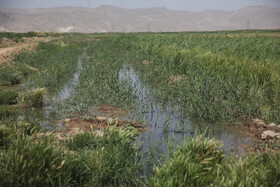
7	53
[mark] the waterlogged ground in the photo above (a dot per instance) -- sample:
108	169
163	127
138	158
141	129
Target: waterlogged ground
167	122
168	87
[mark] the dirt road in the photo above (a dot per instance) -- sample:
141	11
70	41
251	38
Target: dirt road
7	53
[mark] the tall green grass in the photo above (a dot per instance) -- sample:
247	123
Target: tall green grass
226	78
99	81
39	160
56	61
201	162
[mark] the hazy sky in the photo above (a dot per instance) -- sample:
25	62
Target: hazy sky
170	4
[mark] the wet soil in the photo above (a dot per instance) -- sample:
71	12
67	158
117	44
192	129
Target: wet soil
254	130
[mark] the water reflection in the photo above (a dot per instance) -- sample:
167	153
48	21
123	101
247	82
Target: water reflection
168	123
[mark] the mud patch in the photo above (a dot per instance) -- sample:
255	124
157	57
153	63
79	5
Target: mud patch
265	137
73	126
95	126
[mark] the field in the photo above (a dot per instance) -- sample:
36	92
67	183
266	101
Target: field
140	109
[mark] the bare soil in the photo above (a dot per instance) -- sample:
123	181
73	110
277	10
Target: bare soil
254	130
9	48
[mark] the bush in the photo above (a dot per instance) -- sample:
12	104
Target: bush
8	97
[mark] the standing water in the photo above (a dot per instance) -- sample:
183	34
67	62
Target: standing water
63	94
167	122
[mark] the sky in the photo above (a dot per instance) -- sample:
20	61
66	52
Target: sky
194	5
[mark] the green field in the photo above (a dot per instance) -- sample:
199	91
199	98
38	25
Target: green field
191	90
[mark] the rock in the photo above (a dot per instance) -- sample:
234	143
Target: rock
277	135
101	118
272	125
268	134
67	120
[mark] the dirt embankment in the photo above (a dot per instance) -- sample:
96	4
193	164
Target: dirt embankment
94	124
8	48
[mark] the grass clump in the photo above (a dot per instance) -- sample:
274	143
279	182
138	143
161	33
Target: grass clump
200	162
111	159
7	111
191	164
35	98
8	97
39	160
31	162
9	75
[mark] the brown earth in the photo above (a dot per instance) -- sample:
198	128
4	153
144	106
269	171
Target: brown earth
8	48
256	131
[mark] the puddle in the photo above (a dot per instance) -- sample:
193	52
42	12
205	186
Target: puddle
167	122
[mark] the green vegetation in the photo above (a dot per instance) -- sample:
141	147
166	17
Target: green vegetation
231	76
13	74
7	111
35	98
99	82
56	61
33	161
8	97
200	162
224	77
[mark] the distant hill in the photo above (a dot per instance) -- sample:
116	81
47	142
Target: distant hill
114	19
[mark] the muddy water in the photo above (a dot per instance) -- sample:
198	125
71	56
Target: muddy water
167	122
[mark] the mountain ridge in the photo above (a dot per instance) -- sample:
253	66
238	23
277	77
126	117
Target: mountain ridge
109	18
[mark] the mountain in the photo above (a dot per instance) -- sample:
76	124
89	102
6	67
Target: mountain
115	19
